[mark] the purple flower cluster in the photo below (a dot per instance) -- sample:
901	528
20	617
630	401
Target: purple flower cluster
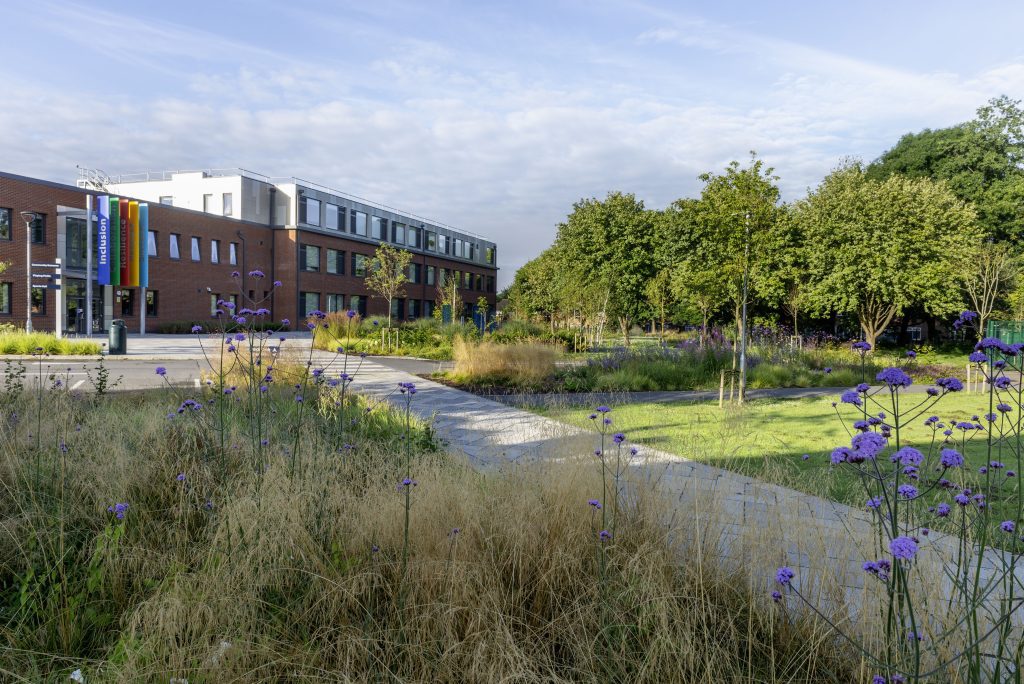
903	548
894	378
118	509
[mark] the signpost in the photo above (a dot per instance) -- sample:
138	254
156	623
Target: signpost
53	282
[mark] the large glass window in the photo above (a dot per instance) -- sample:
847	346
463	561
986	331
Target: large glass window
214	251
359	265
152	240
431	242
214	298
331	219
398	233
174	246
233	253
5	298
414	273
196	253
309	258
335	261
489	255
227	204
335	303
310	302
414	237
38	301
458	247
378	228
38	228
358	304
5	224
490	283
152	299
442	244
207	203
312	211
359	223
127	299
430	275
75	248
415	310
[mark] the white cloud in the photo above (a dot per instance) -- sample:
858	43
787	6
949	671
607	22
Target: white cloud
498	148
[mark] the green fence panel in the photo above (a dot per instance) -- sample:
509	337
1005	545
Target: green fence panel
1010	332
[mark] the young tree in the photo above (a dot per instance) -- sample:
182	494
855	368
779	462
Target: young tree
482	306
659	294
448	295
876	248
703	288
988	270
387	275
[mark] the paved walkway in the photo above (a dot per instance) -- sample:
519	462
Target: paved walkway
745	521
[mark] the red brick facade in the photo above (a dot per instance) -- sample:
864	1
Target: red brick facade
183	287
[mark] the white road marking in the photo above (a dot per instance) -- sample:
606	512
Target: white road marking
197	383
78	384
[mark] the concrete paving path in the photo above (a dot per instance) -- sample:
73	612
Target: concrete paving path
745	521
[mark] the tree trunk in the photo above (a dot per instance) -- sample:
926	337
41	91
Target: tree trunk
796	331
624	325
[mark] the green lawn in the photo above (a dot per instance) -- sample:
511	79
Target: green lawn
767	439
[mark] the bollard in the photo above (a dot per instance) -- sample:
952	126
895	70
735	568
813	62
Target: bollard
721	391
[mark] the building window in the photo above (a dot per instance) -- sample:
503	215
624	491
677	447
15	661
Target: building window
479	283
214	300
398	233
38	301
233	253
5	298
458	247
414	308
489	255
431	241
357	304
207	203
311	211
75	239
428	308
309	258
415	270
174	246
335	303
152	298
442	244
310	302
335	262
152	239
196	255
359	223
5	224
38	228
127	299
214	251
331	220
397	306
414	237
490	283
430	275
467	282
167	200
378	228
228	204
359	265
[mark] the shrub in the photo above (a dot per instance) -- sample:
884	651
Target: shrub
488	363
46	343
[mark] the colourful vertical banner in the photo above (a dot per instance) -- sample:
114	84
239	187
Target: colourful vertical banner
133	242
126	244
115	241
103	240
143	245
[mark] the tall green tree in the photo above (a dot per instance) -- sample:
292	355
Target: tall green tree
982	160
876	248
607	246
734	235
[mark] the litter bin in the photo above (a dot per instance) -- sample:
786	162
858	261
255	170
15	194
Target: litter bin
118	337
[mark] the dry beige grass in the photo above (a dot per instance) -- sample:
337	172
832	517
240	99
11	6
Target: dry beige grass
278	579
521	364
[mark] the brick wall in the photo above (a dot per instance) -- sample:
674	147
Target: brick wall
183	286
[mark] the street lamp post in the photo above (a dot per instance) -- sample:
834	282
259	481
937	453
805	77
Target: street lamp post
743	315
28	217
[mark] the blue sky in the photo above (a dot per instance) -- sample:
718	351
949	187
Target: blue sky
494	117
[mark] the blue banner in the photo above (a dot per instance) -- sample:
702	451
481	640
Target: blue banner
143	244
103	240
